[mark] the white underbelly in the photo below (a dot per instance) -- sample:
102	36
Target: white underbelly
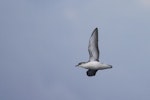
95	65
92	65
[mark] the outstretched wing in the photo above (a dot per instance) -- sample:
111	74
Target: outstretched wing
93	46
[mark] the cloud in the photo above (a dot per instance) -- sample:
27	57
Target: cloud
145	3
71	14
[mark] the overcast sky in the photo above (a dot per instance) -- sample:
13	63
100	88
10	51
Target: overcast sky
41	41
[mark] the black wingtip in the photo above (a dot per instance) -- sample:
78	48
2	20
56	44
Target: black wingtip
96	29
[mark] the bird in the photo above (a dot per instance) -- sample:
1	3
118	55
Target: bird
93	65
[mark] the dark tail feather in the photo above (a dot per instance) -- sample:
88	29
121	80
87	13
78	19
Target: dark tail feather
91	72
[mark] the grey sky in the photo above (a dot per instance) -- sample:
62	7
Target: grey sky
41	41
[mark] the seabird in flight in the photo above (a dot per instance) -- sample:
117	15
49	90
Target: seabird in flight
93	65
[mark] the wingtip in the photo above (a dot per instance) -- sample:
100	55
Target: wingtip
96	29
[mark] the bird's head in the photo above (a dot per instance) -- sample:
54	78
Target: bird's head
80	64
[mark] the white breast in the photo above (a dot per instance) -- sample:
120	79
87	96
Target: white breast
95	65
91	65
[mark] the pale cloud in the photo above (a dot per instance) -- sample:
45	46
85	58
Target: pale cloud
145	3
71	14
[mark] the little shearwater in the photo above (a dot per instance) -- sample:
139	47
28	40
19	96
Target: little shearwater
93	65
